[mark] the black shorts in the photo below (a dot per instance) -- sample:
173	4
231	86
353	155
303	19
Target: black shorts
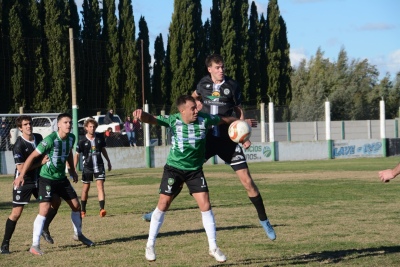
227	150
48	188
22	194
173	179
87	176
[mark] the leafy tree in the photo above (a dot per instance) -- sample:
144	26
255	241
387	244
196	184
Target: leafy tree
17	43
254	58
262	46
92	73
143	37
131	93
56	33
242	52
215	41
278	66
166	79
229	37
110	36
158	67
37	74
185	37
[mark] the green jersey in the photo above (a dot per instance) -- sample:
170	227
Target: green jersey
188	140
58	151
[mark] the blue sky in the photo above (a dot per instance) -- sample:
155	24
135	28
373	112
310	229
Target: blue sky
366	29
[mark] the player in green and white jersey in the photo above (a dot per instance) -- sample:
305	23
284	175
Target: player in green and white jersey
52	181
184	165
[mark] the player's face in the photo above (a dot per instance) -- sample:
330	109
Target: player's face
64	125
189	111
216	71
26	128
90	129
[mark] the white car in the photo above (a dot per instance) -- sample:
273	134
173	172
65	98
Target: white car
41	125
116	126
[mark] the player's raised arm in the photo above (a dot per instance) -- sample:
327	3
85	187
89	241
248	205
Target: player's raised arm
144	116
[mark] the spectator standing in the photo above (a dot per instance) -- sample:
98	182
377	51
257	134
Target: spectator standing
130	131
109	117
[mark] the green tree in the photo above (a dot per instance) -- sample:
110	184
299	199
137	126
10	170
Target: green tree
5	56
215	41
166	79
242	52
56	33
254	58
143	38
110	37
17	43
229	37
184	43
40	101
92	73
131	94
158	66
262	39
278	66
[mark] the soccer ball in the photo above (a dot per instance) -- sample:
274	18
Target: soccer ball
239	131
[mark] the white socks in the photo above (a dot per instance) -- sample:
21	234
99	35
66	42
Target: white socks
37	229
209	226
157	219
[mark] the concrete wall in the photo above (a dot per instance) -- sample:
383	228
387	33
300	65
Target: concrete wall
135	157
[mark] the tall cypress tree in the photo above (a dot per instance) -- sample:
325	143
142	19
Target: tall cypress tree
216	29
166	79
242	25
146	64
131	96
110	36
158	66
262	93
92	73
56	33
19	59
184	40
5	56
279	88
37	72
254	56
229	37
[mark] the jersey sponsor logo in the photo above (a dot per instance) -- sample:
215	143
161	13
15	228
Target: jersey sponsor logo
227	91
216	94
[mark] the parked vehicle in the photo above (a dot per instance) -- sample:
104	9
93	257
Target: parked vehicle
116	126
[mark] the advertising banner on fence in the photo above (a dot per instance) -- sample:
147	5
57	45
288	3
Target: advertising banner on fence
357	148
257	153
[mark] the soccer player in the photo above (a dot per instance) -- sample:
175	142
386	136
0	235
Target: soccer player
23	147
58	146
184	165
218	94
91	148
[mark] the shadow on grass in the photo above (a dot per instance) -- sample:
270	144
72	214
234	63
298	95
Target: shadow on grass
323	257
168	234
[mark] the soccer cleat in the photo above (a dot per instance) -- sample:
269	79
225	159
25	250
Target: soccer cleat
150	254
103	212
35	250
147	217
217	254
84	240
5	249
268	229
83	214
46	236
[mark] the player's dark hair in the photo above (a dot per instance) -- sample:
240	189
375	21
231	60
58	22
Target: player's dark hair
63	115
183	99
92	121
21	118
216	58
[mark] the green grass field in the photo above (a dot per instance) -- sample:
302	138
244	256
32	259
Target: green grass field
324	212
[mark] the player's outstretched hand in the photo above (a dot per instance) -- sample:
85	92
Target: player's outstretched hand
252	122
246	144
138	113
386	175
18	182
